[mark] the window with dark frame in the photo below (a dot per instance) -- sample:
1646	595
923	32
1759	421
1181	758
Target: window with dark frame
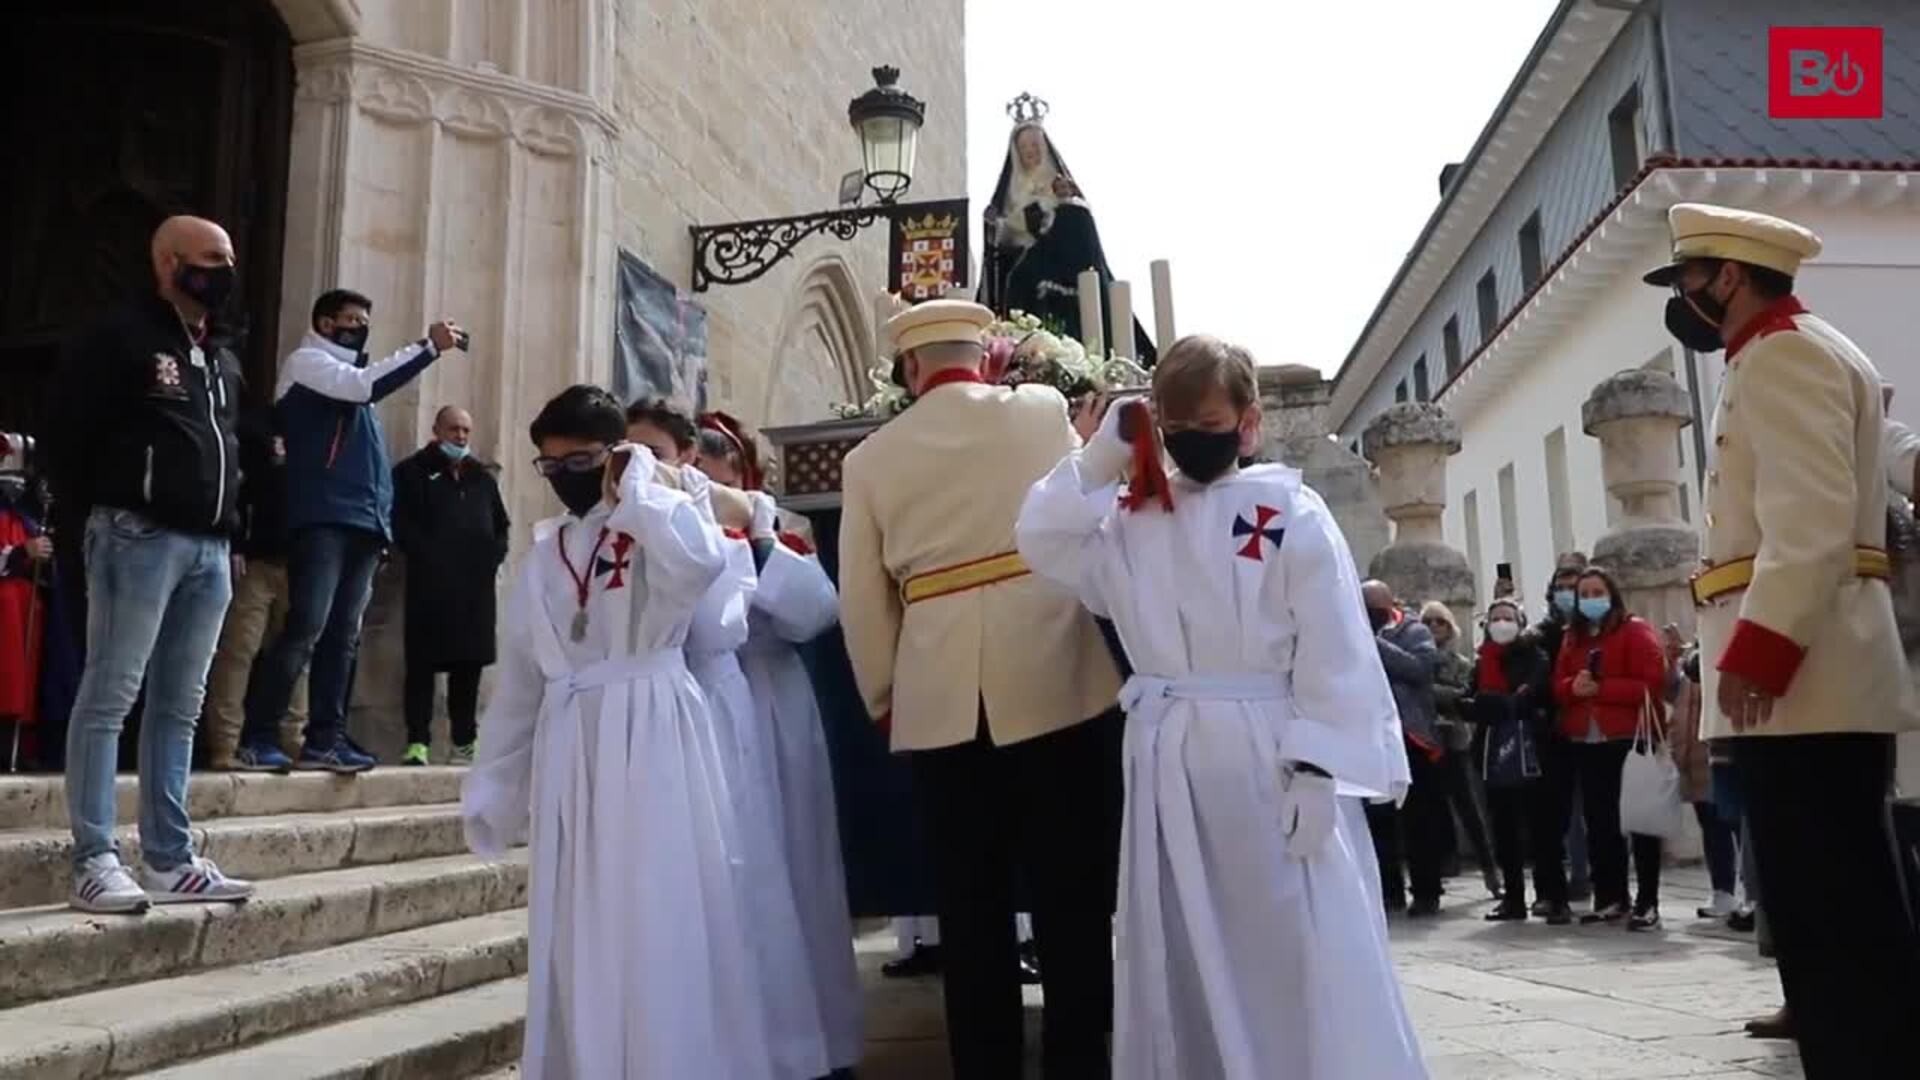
1623	135
1450	342
1422	391
1531	262
1400	393
1488	292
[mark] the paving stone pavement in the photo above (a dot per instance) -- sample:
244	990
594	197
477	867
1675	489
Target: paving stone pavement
1494	1001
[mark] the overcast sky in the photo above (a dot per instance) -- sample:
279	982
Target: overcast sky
1283	157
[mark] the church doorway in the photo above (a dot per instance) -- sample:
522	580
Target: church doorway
118	113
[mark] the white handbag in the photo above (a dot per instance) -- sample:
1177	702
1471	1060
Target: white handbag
1650	782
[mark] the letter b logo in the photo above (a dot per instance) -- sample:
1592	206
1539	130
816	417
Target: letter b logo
1824	73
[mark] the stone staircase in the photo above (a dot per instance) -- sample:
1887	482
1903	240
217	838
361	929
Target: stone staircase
376	947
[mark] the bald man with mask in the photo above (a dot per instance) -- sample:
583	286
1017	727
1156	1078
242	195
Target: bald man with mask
143	437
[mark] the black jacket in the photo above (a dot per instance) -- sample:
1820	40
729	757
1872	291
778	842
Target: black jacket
451	525
1529	676
142	419
262	531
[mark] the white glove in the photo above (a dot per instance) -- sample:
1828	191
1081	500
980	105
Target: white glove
766	516
1107	456
1307	810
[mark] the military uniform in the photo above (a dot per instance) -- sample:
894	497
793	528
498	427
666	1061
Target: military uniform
1001	690
1794	599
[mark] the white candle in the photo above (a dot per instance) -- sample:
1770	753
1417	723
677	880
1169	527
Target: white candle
1120	308
1089	289
1163	332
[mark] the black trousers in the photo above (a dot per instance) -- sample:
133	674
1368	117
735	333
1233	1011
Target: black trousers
1418	833
1530	822
1458	771
1598	765
463	701
1823	845
1047	810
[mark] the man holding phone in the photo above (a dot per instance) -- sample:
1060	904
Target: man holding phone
339	523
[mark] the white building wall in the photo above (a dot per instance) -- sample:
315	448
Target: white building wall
1867	283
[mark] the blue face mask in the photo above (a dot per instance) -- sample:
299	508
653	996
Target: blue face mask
1563	600
454	451
1595	608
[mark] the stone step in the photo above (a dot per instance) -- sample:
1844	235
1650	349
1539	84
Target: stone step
40	802
49	952
36	868
454	1035
150	1025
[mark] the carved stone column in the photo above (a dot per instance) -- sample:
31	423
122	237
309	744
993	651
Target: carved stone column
1409	444
1294	405
1637	416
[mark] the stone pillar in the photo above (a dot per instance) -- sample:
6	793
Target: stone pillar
1294	406
1409	444
1637	416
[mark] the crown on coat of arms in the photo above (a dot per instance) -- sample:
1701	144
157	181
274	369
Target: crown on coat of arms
1027	109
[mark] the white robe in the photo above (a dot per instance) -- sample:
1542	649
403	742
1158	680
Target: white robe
784	976
794	603
603	749
1241	612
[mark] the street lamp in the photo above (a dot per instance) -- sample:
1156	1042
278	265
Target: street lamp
888	121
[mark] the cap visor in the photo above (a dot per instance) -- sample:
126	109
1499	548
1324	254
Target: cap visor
1663	275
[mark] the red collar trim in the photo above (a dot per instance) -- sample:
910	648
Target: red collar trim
949	375
1773	318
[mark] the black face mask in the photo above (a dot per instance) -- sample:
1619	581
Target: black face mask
1694	320
208	285
1203	455
350	337
579	492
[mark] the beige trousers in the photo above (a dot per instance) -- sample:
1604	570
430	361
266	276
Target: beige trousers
259	608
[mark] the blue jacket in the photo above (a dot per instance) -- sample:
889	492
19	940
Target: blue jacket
337	468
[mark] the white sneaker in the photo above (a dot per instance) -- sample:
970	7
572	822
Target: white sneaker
1723	905
195	882
102	886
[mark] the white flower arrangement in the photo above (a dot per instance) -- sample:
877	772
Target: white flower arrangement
1020	349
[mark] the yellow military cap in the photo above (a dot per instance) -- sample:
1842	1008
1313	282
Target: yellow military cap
1704	231
937	321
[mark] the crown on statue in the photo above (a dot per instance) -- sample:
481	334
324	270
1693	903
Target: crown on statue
1027	109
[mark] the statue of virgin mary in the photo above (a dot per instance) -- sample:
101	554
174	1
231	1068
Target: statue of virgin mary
1040	233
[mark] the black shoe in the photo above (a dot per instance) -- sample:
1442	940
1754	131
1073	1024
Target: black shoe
923	960
1029	964
1741	921
1777	1026
1644	918
1507	913
1540	909
1559	915
1612	913
1423	909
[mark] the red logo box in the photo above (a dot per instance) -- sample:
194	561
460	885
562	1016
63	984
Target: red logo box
1824	73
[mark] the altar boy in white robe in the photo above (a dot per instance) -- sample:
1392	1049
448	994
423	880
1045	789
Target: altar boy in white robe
598	744
1249	946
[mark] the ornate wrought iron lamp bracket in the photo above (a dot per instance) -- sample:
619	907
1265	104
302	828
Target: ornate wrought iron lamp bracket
742	251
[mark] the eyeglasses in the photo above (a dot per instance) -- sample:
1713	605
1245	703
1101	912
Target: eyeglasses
577	462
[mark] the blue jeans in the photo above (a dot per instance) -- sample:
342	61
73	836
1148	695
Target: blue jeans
155	602
329	580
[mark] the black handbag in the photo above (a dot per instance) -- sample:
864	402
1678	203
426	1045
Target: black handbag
1510	754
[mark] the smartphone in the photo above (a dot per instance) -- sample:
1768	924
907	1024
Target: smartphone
1503	571
1593	662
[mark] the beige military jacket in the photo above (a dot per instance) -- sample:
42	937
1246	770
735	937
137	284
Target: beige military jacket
937	487
1796	484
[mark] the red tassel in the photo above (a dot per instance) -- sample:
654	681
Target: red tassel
1148	481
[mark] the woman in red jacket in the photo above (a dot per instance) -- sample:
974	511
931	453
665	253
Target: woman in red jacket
1611	667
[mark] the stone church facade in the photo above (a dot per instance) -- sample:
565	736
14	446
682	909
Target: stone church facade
490	159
